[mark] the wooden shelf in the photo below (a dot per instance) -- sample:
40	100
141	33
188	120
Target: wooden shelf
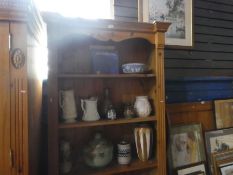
81	124
106	75
115	168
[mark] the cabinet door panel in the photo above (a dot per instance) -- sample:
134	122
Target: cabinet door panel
19	113
4	100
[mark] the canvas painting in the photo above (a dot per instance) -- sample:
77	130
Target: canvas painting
227	170
218	141
177	12
224	113
186	145
198	169
221	143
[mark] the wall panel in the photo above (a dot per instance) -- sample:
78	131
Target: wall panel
212	52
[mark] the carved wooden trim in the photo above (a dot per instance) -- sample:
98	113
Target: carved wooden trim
18	58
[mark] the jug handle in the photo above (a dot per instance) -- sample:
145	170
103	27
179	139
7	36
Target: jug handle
60	99
82	106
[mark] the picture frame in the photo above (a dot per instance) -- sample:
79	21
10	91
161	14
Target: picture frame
195	169
186	145
220	159
223	110
227	169
217	141
180	33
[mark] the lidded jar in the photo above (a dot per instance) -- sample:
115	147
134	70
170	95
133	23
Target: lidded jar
142	106
98	152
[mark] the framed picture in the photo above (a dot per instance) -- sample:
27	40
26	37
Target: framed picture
227	170
223	113
220	159
186	145
197	169
178	12
218	141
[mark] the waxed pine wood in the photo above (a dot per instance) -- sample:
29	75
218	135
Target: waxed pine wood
135	42
192	112
20	93
4	102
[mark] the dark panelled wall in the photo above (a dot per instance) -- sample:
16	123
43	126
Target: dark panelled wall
204	71
126	10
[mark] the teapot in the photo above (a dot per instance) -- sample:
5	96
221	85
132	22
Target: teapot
89	107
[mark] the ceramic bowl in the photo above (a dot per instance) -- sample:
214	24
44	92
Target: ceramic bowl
133	68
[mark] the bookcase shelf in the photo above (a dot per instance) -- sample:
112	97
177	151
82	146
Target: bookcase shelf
80	124
69	51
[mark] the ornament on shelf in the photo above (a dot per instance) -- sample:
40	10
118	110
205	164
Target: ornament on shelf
111	113
129	111
65	154
143	139
98	152
142	106
67	103
124	153
89	107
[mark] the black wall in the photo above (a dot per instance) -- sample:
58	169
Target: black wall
209	63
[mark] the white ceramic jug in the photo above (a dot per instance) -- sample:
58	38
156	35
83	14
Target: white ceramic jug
89	107
67	103
142	106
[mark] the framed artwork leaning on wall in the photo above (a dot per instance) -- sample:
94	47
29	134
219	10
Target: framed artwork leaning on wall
223	113
220	159
218	141
194	169
227	169
186	145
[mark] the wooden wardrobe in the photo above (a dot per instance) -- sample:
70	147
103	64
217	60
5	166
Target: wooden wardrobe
21	52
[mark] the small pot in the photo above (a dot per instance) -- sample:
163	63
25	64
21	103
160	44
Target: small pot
124	153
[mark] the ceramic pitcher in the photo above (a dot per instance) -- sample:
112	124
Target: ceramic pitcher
143	139
67	103
142	106
89	107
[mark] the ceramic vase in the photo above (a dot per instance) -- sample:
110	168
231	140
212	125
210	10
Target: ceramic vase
124	153
67	103
143	139
142	106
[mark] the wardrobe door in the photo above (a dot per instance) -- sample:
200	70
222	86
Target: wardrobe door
19	101
5	151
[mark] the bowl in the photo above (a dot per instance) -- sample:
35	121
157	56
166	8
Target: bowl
131	68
